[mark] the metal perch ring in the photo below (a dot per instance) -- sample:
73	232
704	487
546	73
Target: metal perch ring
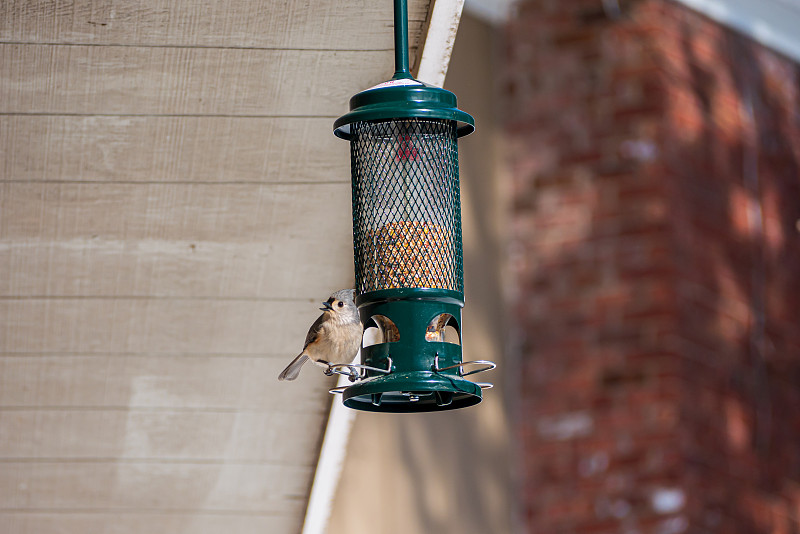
488	366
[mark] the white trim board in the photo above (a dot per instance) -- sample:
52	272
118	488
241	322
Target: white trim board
437	46
330	463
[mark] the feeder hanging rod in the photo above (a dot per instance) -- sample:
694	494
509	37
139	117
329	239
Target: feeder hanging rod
401	40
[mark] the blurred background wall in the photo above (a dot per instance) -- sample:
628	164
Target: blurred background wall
655	236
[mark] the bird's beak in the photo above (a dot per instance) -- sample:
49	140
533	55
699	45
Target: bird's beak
326	306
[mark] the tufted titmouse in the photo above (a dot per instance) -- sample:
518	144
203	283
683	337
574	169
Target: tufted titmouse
333	338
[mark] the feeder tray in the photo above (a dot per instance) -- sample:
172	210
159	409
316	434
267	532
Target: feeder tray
416	391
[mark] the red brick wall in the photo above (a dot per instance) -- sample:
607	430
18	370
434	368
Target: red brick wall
656	253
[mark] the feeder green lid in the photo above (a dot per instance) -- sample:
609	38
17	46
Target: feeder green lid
402	98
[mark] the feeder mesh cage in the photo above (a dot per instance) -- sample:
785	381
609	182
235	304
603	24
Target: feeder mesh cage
406	205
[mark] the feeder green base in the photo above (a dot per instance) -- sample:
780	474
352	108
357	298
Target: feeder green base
417	391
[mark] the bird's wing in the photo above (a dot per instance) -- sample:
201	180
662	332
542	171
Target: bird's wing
314	331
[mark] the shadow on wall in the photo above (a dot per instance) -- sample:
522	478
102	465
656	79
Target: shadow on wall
657	251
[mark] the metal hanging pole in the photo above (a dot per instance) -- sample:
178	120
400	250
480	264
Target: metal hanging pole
401	71
401	40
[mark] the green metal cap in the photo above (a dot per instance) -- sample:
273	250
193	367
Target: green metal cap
403	98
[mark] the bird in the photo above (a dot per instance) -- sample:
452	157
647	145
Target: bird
334	337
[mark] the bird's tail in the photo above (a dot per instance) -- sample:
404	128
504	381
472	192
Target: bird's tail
293	369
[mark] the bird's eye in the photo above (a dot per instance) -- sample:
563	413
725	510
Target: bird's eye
340	304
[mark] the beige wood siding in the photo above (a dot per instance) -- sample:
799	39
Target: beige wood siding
173	205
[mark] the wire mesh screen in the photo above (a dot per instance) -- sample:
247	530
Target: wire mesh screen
406	205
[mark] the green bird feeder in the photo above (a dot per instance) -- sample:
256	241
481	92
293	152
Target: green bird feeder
407	244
